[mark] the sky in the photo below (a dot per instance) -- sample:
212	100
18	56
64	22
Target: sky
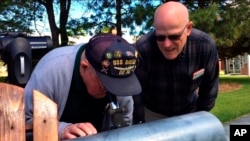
43	27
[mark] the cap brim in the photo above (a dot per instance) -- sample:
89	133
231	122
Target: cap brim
125	86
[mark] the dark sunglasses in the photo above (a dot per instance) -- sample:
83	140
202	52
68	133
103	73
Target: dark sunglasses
170	37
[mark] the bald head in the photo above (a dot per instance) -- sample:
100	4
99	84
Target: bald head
172	27
172	13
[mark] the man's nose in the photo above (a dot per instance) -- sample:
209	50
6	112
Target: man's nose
167	42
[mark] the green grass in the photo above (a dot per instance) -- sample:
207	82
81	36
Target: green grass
2	79
230	105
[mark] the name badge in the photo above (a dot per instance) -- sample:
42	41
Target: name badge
198	73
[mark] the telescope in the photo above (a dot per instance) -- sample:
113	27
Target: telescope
19	51
116	113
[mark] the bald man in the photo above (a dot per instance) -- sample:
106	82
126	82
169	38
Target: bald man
178	67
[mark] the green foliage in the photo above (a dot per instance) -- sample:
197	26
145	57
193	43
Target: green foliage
230	105
205	18
16	16
228	24
104	14
99	15
144	16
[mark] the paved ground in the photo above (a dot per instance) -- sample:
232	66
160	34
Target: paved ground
241	120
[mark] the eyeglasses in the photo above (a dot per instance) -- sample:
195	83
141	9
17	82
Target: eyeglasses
171	37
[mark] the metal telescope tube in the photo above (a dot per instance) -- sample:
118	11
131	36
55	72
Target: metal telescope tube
198	126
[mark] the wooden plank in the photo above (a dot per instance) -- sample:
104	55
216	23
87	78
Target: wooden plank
12	114
45	122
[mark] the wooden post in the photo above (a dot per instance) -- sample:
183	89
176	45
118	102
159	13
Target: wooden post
12	114
45	122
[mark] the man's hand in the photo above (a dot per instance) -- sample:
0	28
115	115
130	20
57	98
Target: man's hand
78	130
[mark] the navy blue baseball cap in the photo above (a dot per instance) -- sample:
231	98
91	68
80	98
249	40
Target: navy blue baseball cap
114	60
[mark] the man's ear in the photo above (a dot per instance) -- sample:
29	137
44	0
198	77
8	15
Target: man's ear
84	65
189	27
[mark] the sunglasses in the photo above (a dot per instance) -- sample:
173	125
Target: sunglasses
171	37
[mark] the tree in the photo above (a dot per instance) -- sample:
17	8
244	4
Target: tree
227	25
63	19
119	13
129	14
16	16
19	15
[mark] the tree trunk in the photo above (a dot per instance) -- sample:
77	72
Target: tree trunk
118	18
54	29
64	7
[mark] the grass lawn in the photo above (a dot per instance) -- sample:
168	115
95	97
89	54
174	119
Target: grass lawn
3	73
235	103
2	79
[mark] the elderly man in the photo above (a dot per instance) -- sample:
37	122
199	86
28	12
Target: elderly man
178	67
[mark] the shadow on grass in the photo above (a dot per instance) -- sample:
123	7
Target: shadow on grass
242	79
233	104
3	79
